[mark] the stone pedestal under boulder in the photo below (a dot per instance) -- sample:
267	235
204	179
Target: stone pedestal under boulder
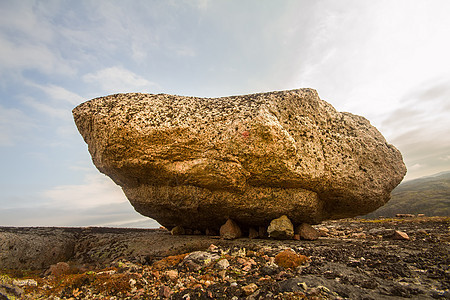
196	162
281	228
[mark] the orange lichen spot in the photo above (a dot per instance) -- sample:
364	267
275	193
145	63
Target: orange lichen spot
289	259
169	261
113	284
74	281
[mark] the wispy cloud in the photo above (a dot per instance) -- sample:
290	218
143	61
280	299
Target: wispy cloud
378	52
111	215
46	108
118	79
202	4
96	202
31	25
420	125
29	56
51	106
58	93
14	124
425	108
97	190
29	40
445	157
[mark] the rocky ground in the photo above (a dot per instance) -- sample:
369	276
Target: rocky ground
353	259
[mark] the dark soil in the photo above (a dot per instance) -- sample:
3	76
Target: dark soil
354	259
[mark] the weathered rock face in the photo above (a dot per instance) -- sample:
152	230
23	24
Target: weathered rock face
195	162
28	249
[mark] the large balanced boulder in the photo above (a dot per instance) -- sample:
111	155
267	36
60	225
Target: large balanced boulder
196	162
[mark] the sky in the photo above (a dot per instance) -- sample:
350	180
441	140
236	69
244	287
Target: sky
388	61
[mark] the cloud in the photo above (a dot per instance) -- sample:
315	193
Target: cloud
445	158
28	56
386	61
13	125
95	202
97	190
364	57
119	80
419	127
202	4
111	215
57	103
424	108
58	93
29	41
50	108
30	25
416	167
46	108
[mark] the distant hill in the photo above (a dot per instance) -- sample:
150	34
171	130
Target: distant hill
426	195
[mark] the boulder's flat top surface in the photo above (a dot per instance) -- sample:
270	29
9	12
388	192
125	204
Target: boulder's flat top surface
353	259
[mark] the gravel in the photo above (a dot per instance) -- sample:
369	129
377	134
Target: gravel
353	259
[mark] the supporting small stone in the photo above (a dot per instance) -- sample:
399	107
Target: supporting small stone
307	232
253	233
262	231
230	230
281	228
178	230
